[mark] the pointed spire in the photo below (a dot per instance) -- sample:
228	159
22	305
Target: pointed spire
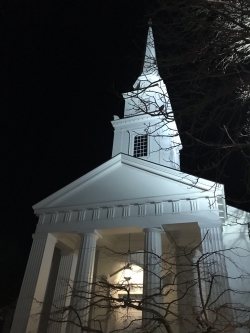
150	69
150	63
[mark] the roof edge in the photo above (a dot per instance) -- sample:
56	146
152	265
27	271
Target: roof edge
160	170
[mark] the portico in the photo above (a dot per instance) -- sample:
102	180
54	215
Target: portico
148	218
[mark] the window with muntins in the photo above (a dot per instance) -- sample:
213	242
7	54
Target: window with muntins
141	145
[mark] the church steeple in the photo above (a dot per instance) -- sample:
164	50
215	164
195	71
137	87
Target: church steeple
148	129
150	73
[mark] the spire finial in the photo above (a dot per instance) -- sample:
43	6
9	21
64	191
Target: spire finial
150	22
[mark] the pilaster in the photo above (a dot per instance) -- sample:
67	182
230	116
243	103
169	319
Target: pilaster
62	294
215	270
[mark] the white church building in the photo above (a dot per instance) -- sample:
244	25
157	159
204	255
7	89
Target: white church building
140	203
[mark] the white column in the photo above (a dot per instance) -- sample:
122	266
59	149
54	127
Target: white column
30	301
62	294
81	297
215	269
198	290
152	269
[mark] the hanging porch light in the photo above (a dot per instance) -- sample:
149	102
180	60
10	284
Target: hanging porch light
127	272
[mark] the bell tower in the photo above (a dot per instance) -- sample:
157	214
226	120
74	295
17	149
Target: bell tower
148	129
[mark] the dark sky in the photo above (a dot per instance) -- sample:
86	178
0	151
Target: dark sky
64	64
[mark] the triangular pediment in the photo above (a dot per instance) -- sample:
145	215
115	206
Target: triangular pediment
125	179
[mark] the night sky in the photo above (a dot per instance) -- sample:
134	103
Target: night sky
64	65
